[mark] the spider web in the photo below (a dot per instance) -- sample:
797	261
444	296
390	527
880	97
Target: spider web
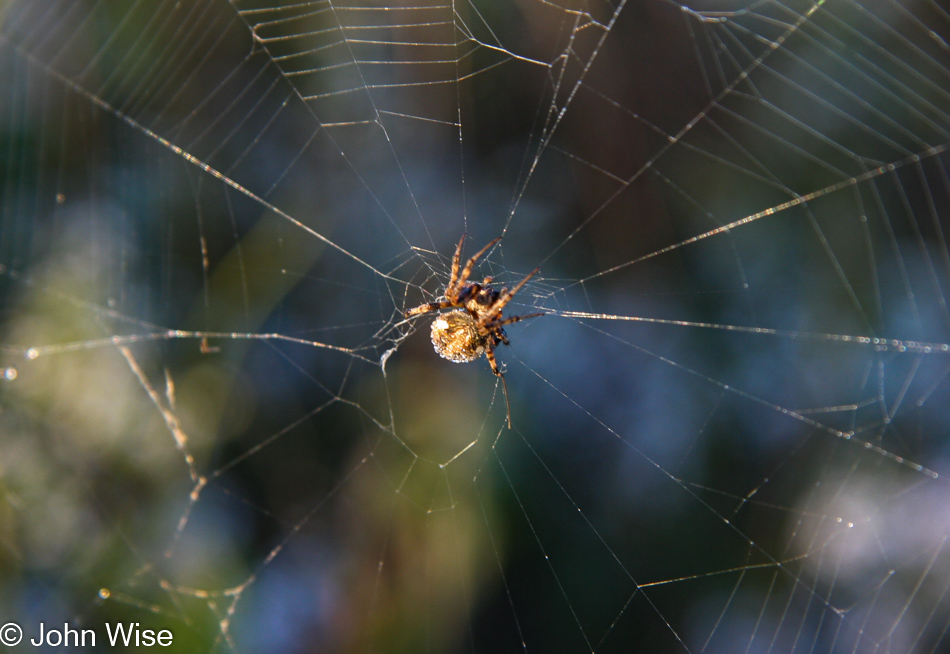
728	429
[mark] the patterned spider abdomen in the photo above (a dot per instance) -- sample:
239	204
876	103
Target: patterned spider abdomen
456	338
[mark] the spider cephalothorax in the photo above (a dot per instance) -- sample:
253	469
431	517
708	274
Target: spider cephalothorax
476	327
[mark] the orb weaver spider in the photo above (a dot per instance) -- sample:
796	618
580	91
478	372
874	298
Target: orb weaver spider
476	326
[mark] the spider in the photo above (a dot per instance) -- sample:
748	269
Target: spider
475	327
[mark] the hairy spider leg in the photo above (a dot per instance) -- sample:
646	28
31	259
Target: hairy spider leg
429	307
508	321
505	296
454	277
490	355
470	264
495	326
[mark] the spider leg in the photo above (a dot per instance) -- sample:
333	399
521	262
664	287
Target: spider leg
454	277
507	321
505	296
490	355
428	308
467	270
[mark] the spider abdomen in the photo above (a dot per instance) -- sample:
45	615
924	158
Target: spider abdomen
456	338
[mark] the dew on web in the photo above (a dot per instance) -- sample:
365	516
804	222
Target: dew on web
728	427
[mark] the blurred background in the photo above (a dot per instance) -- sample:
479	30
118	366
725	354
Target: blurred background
729	432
